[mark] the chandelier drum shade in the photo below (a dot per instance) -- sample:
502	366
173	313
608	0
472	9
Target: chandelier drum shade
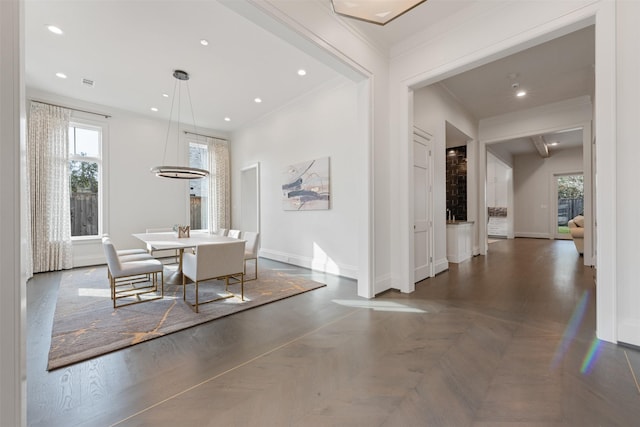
178	172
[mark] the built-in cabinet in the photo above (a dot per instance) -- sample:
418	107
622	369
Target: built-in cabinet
459	241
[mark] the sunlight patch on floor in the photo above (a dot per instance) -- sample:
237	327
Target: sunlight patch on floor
379	305
88	292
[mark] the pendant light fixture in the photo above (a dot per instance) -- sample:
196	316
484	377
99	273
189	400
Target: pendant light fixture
178	172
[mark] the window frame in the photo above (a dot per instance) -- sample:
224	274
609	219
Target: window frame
101	127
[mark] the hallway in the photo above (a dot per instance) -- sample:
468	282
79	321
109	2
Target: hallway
501	340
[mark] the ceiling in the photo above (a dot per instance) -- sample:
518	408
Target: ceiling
423	16
130	49
557	70
560	69
562	140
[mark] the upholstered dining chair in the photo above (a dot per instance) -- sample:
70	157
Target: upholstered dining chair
252	240
125	252
222	232
234	233
125	255
139	275
220	260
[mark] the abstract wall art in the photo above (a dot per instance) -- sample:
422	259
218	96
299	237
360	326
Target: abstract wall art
306	186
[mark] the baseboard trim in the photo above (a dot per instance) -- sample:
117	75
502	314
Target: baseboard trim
382	284
629	332
530	235
86	261
441	265
342	270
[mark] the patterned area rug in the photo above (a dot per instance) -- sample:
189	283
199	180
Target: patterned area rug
85	325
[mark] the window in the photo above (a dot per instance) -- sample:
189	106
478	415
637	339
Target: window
570	191
85	170
199	188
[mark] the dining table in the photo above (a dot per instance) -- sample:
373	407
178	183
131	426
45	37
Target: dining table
170	241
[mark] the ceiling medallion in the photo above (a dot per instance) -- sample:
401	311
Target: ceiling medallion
178	172
378	12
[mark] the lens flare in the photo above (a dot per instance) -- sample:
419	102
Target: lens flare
591	357
571	330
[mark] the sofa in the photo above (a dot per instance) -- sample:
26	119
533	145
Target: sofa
576	228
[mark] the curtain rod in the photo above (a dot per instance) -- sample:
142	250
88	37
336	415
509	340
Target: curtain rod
106	116
206	136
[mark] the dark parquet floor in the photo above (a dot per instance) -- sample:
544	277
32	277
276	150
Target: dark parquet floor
501	340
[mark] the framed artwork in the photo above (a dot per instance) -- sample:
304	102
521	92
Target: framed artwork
306	186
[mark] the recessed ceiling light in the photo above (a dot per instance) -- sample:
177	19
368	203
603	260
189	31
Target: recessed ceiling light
61	75
154	109
521	93
302	72
165	95
553	143
258	100
227	119
204	42
54	29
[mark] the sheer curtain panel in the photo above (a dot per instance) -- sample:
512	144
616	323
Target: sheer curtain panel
48	175
219	184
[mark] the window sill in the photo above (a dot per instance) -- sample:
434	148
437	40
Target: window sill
86	240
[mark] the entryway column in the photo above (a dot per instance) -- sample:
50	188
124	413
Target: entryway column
12	285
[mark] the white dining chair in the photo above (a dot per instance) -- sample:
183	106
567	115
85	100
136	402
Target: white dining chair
133	251
252	240
132	276
234	233
220	260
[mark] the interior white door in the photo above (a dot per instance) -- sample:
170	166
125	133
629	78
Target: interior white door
422	206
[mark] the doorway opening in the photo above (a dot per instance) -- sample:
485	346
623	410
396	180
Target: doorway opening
569	190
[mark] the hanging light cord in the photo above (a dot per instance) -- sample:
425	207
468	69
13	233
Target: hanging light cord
166	141
193	116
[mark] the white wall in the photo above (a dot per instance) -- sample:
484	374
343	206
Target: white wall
499	193
321	124
533	190
502	154
432	108
313	27
497	182
135	198
535	121
627	237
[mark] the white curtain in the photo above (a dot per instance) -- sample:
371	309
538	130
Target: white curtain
48	186
219	185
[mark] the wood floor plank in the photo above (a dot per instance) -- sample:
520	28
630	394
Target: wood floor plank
487	343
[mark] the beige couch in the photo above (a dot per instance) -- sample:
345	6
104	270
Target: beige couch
576	228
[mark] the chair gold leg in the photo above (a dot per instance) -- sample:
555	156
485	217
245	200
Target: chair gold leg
162	283
196	296
184	287
255	269
113	291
